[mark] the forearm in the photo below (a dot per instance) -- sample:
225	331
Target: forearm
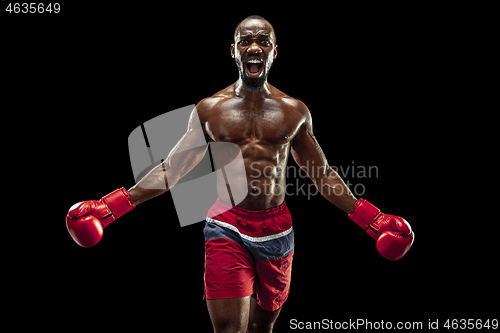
155	183
139	194
166	174
333	188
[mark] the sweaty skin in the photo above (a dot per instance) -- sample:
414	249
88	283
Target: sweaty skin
265	123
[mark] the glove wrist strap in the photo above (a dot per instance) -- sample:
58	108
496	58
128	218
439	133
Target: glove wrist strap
118	202
364	213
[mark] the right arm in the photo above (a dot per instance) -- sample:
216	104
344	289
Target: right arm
85	220
166	174
179	162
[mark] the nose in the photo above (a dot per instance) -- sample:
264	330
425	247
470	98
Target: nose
254	49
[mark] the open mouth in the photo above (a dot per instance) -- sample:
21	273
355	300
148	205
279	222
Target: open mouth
254	68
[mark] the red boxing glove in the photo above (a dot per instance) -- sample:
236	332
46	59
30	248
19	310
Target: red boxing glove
85	220
393	233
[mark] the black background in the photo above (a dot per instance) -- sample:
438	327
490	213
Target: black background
385	89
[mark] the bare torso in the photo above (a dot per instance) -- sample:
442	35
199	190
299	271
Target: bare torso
263	128
254	118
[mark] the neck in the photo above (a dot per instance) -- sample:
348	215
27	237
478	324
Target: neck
242	91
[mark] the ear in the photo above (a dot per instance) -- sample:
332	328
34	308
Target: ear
232	50
275	51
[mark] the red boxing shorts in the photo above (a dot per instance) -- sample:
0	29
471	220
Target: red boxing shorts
248	253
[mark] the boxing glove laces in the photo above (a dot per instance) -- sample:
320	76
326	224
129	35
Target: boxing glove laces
85	220
393	233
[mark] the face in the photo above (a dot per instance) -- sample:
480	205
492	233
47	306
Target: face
254	51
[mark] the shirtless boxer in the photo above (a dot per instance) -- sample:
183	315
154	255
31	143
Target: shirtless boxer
249	246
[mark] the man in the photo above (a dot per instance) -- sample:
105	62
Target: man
248	244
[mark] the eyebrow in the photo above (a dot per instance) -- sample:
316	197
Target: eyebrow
259	35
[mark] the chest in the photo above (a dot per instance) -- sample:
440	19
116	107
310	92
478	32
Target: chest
261	121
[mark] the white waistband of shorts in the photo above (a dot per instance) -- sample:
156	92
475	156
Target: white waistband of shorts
249	238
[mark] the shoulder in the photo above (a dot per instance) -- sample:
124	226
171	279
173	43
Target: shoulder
209	103
293	103
299	108
298	105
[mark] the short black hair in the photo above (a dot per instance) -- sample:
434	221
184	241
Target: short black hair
255	17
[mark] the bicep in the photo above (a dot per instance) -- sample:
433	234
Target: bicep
306	150
191	148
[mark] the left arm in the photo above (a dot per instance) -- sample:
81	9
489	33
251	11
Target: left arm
393	233
310	157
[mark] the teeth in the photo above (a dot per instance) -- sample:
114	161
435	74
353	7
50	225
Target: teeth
254	61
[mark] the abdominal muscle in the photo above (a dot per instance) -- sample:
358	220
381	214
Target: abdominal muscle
264	184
